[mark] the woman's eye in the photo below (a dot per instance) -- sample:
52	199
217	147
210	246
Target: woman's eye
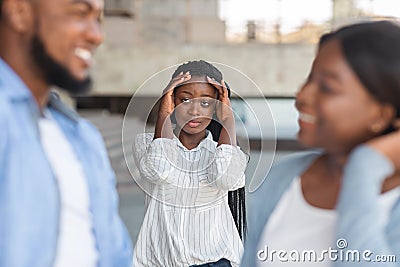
324	88
186	100
205	104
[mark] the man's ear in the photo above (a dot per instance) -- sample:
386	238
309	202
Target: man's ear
18	14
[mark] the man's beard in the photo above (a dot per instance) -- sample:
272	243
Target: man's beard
55	73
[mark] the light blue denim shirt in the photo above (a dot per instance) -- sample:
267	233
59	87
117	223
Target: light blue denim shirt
29	196
357	208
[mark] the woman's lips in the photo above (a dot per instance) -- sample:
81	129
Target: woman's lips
193	123
307	118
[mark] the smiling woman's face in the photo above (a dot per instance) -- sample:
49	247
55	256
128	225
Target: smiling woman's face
194	106
336	111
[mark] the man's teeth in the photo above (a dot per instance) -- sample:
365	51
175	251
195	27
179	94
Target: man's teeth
83	54
307	118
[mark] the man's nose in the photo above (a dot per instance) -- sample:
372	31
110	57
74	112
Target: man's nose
94	32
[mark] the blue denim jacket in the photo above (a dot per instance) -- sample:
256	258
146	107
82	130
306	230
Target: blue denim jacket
357	207
29	196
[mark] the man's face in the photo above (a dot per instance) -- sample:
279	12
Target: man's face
65	36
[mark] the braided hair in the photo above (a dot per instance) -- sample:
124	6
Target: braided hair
236	199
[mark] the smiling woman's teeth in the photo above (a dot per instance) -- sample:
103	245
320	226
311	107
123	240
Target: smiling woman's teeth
84	54
307	118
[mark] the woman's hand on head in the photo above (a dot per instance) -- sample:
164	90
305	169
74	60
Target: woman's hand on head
163	127
389	145
224	114
167	104
223	108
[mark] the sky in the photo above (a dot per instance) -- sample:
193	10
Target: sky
292	13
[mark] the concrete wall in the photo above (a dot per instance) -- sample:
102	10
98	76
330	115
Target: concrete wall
276	69
178	21
344	12
164	33
177	8
119	7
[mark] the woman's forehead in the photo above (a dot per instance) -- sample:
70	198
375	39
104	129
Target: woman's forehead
200	79
197	89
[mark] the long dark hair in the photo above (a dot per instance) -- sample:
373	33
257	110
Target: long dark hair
372	51
236	199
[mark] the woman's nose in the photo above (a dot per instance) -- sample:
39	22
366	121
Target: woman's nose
195	108
306	95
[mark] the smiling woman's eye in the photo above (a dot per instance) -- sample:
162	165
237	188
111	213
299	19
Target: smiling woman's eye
324	88
185	100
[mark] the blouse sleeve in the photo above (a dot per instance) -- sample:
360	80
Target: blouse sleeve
360	220
155	159
226	171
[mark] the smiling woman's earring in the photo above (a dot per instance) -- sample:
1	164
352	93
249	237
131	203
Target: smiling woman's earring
376	127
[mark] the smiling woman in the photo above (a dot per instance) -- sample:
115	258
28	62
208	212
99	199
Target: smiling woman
348	191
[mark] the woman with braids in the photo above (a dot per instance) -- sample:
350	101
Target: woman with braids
189	165
339	206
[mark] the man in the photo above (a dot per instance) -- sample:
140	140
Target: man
58	203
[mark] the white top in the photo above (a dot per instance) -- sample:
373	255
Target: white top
187	218
76	244
304	231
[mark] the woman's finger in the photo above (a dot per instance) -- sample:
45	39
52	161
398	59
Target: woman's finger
216	84
181	79
180	75
224	89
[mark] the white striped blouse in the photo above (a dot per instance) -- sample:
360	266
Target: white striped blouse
187	219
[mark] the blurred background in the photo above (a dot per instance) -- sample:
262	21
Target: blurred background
272	42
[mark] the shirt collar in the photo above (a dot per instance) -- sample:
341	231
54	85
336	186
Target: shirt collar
56	104
16	89
12	84
207	143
